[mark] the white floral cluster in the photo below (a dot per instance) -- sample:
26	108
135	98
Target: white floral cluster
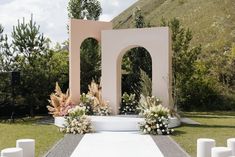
129	104
93	106
77	122
102	111
158	126
156	121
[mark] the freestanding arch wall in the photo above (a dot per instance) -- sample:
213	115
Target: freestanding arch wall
116	42
79	31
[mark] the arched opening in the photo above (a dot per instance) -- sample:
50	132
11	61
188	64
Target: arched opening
136	76
90	63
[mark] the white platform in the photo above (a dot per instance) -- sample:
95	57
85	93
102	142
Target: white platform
117	123
117	144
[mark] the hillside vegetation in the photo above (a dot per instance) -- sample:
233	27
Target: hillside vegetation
212	21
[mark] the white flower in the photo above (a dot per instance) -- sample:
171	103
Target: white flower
145	131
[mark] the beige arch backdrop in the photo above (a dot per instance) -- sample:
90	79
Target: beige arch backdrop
114	43
156	41
80	30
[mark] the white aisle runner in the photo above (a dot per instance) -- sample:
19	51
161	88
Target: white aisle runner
117	144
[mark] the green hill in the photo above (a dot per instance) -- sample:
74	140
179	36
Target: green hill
211	21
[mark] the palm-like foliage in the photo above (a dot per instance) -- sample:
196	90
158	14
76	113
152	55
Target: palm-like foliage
60	103
99	105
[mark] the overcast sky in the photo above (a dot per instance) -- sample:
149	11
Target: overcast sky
51	15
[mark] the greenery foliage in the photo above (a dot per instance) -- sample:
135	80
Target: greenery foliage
128	104
84	9
145	84
90	63
40	68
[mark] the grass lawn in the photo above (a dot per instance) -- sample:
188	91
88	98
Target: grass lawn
45	135
217	125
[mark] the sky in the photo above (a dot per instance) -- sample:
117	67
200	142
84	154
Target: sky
51	15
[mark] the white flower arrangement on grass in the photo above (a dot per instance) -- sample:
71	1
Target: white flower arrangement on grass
77	122
156	117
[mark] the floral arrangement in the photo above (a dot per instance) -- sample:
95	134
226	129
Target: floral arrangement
156	117
77	122
129	104
86	102
93	101
60	103
146	103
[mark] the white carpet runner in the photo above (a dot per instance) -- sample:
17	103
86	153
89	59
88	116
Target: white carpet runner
117	144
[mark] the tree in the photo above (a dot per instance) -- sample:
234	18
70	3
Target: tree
1	31
6	55
84	9
30	46
139	19
1	39
90	50
184	59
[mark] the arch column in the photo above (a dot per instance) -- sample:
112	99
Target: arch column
80	30
116	42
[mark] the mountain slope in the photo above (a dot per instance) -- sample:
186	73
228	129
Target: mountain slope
211	21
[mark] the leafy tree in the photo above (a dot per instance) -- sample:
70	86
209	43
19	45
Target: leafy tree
84	9
184	59
139	20
90	50
6	55
1	31
30	46
1	39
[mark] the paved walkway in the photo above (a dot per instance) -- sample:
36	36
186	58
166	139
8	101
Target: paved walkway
169	147
165	144
65	147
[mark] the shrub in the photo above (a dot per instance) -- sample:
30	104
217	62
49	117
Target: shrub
77	122
129	104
